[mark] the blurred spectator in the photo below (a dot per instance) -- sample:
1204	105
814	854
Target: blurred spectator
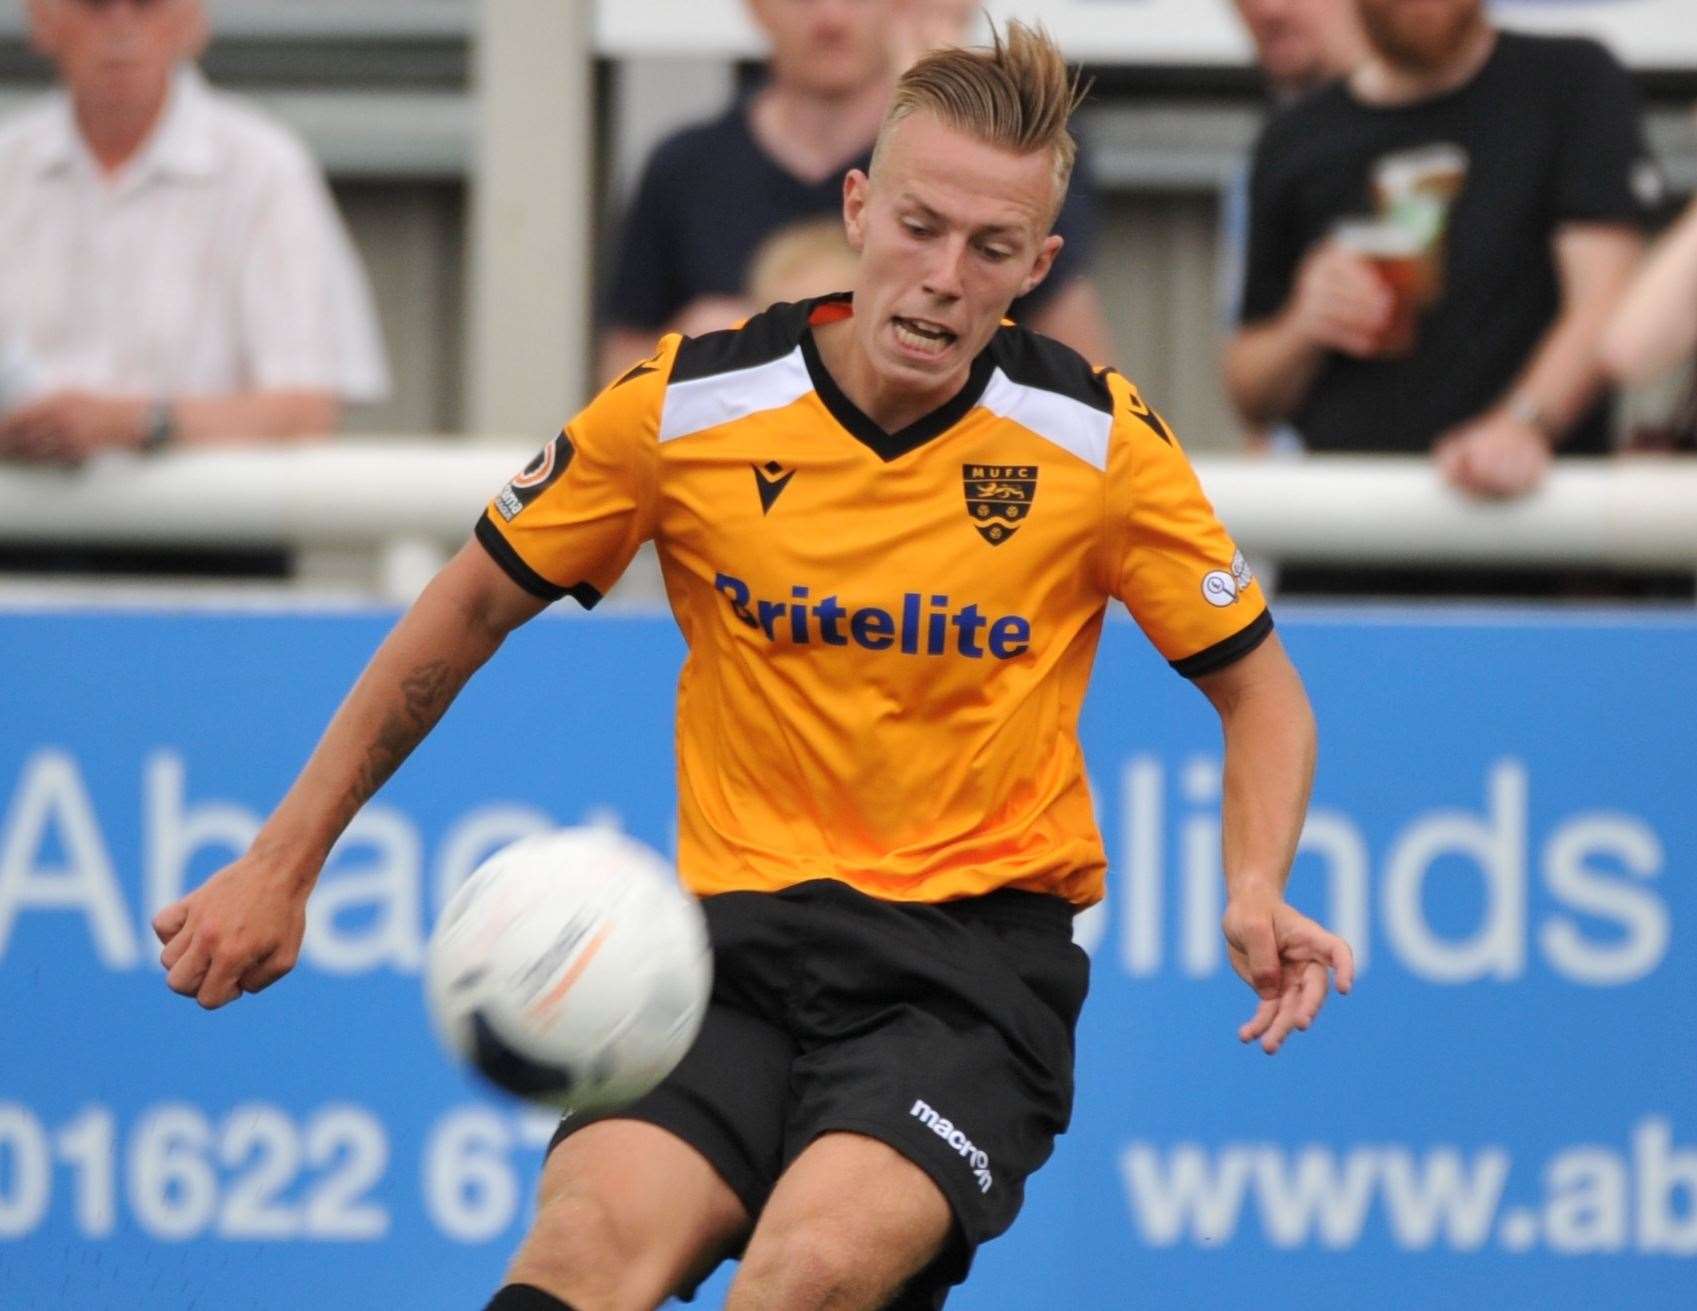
811	258
918	27
1301	45
1655	329
172	267
1436	243
711	192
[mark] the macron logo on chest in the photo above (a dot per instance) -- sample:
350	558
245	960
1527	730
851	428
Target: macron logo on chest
770	480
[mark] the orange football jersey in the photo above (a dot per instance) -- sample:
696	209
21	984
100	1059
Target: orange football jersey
889	634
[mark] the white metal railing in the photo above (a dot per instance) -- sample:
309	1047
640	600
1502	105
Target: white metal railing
400	505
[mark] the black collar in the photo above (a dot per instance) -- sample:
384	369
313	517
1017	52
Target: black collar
891	445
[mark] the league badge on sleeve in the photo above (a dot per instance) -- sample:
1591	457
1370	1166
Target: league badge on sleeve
550	462
998	497
1222	588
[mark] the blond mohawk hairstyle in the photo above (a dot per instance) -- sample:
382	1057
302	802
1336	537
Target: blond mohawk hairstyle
1017	94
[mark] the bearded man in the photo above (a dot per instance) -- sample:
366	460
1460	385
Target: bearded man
1436	243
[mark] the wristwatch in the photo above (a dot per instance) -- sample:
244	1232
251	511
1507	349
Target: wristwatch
160	428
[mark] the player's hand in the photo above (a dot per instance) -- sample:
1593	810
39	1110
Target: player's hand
1497	455
1340	303
69	426
710	314
240	931
1287	958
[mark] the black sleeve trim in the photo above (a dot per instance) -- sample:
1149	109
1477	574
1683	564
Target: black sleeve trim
1211	660
501	551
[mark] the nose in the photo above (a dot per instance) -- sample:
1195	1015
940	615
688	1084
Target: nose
944	276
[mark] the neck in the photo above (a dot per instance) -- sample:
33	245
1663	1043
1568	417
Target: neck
812	135
891	406
1380	81
114	134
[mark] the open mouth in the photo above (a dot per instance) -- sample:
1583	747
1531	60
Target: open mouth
921	336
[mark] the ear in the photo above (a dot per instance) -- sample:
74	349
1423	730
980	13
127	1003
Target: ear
856	193
1042	264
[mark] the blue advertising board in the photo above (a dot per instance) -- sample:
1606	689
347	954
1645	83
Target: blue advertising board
1503	1115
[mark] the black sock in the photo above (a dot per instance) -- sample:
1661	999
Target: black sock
522	1297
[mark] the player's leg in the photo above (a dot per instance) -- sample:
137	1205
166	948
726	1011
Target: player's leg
646	1201
627	1214
850	1222
945	1033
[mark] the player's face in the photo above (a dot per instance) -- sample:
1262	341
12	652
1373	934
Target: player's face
1421	35
827	47
950	230
117	55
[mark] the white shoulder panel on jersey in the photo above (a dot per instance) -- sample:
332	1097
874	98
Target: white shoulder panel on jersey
1071	425
702	403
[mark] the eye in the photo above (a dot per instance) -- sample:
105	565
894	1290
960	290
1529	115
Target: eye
915	229
995	254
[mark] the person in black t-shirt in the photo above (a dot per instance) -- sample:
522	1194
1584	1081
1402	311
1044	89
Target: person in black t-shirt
712	192
1436	243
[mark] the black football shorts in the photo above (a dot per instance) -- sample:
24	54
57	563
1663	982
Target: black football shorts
945	1031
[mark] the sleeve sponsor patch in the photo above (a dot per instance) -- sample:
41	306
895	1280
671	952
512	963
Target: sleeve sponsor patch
1222	588
537	476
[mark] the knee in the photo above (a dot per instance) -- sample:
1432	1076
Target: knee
808	1267
578	1251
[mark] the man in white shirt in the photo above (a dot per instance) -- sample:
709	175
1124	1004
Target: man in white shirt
172	267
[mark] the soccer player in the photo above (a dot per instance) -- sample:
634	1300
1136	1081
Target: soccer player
890	524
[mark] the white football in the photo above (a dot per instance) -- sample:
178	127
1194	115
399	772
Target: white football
570	968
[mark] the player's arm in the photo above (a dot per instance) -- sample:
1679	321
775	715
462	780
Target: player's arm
1169	559
1269	767
242	929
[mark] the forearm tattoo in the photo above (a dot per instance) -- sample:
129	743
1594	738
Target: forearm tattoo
426	694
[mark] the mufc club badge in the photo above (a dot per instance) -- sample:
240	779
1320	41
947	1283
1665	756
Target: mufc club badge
998	497
550	462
